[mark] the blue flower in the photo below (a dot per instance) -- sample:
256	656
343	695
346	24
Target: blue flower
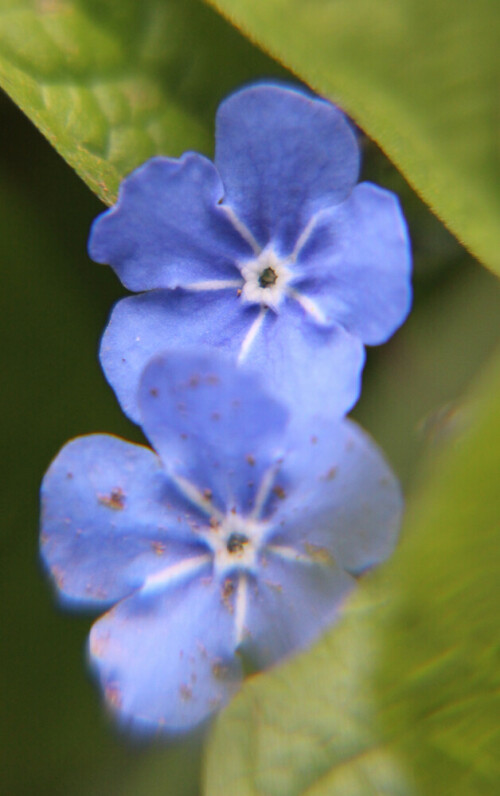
241	537
273	254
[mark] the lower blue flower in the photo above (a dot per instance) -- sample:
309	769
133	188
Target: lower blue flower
242	536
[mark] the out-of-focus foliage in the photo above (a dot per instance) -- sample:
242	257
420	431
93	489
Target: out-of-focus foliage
404	693
112	83
109	83
420	76
54	304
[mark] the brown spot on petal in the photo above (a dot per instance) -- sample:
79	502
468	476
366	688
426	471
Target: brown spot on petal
153	391
330	475
279	492
69	475
314	440
215	415
207	493
250	459
202	649
58	577
226	592
220	671
185	692
113	695
98	647
115	500
158	547
320	555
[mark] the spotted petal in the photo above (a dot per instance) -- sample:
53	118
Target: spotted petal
214	426
311	368
342	499
143	326
292	603
165	658
110	520
283	155
168	228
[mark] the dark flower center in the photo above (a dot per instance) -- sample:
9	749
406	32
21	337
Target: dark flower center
268	277
236	542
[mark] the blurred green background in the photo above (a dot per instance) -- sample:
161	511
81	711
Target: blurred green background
54	304
55	738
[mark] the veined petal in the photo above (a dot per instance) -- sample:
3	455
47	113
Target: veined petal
356	264
342	499
315	369
282	155
110	520
312	368
143	326
212	424
165	659
289	606
168	228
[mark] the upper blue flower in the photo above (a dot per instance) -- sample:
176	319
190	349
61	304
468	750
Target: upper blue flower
273	254
243	535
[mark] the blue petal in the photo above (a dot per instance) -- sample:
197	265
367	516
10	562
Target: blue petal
109	520
143	326
166	659
282	156
356	264
312	368
290	605
342	499
212	424
168	228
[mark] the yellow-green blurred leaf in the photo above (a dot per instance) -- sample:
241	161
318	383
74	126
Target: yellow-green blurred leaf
422	77
403	696
112	83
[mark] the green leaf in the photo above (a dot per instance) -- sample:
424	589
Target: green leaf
419	76
402	697
112	83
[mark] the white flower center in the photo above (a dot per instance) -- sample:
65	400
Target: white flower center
235	542
265	277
